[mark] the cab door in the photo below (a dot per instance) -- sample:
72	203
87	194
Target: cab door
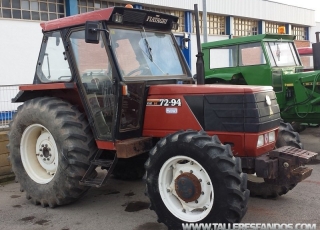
96	83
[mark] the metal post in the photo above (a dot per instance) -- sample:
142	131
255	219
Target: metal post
205	25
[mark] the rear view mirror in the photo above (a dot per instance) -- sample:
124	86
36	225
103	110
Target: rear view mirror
92	32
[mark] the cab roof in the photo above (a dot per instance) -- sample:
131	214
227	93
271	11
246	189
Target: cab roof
248	39
130	16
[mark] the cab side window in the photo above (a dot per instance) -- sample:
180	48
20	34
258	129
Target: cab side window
53	65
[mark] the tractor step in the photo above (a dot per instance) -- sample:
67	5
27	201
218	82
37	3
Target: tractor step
104	164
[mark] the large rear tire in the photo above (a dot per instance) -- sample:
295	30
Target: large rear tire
257	186
50	145
192	177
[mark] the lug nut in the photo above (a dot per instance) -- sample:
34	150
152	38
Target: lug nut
48	159
181	172
196	201
286	164
44	159
204	208
200	180
42	145
41	155
49	149
168	190
191	171
183	210
191	162
208	183
49	155
46	145
202	193
40	150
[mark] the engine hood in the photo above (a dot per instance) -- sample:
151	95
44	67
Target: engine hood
176	89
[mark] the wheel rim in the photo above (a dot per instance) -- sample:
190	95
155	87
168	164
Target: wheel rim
39	153
170	176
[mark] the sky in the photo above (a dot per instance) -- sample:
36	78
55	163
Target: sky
309	4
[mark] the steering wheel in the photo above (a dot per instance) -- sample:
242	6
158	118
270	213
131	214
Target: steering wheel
140	68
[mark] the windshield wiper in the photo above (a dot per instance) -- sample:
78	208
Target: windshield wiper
147	45
149	55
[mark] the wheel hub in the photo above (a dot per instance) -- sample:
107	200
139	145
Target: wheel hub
188	187
45	153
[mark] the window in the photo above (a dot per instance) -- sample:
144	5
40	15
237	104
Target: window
282	54
251	54
91	5
41	10
245	27
272	27
53	65
179	14
300	32
142	54
224	57
216	24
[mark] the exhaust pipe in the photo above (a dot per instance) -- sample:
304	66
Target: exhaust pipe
200	62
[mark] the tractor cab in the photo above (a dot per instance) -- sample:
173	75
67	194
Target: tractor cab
112	58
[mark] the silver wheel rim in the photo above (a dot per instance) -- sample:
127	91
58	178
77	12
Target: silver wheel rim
193	211
39	153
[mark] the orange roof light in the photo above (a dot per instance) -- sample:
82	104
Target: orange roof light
281	30
129	6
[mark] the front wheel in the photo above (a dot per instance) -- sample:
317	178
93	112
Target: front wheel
192	177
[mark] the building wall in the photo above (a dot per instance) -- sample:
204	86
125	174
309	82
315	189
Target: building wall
20	45
314	29
258	9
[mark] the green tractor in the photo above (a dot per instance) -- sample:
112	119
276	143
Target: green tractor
269	60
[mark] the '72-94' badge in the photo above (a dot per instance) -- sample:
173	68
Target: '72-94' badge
164	102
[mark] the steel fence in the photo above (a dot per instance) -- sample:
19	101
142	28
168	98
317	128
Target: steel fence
7	109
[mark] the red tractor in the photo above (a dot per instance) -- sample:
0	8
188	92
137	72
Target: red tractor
112	87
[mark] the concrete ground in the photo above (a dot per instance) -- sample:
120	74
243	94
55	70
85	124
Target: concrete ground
122	205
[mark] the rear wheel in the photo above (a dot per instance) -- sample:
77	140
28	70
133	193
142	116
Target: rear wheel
257	186
50	145
192	177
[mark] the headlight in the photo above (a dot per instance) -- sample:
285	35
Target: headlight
260	141
272	136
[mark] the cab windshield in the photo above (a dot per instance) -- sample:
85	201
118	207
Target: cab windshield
282	54
146	54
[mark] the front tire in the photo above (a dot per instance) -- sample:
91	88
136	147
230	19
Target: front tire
50	145
257	186
192	177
